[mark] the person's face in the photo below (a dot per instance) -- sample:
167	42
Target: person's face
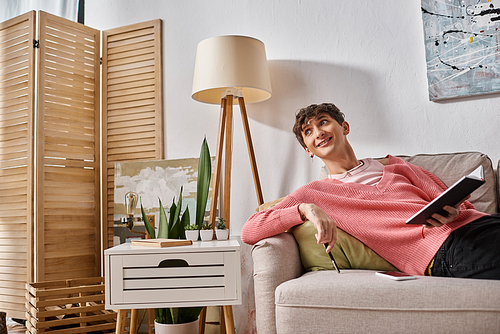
323	135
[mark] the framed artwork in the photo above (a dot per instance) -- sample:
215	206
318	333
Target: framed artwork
157	179
462	47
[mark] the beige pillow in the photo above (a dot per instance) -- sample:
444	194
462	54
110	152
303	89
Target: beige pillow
268	205
348	252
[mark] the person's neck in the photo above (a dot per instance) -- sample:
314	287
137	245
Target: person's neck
342	164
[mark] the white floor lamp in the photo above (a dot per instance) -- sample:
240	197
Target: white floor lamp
230	70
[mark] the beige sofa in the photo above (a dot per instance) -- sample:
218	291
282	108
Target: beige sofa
358	301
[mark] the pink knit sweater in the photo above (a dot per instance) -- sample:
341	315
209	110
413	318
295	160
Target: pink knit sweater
375	215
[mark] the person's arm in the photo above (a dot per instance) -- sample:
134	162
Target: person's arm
272	221
285	215
324	224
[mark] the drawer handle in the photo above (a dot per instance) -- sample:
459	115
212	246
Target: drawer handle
173	263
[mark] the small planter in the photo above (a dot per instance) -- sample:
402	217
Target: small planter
206	235
192	235
222	234
187	328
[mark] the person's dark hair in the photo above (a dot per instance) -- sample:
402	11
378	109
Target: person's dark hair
314	110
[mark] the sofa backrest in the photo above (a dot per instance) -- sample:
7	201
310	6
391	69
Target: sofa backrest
450	167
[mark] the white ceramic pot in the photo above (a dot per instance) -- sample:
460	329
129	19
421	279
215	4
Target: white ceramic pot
192	235
222	234
188	328
206	235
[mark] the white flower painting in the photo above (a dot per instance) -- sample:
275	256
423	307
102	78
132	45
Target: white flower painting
153	180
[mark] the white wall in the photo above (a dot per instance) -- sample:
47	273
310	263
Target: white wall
67	9
366	57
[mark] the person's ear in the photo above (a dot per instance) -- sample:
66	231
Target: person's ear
346	128
309	153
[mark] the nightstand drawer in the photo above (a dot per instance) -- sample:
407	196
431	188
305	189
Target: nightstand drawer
181	278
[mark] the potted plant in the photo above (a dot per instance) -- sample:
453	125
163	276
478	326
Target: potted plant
206	232
192	232
221	231
175	228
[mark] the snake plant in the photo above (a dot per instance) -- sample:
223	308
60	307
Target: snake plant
174	228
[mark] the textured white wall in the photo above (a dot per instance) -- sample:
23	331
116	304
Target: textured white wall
366	57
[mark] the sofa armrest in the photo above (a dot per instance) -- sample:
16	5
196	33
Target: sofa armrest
275	260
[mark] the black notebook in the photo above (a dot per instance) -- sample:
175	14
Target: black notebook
451	196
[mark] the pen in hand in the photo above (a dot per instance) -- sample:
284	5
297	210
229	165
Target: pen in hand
333	260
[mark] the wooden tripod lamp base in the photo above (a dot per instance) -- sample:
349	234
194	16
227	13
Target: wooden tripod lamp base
224	141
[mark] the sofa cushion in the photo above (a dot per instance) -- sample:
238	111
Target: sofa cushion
362	302
348	252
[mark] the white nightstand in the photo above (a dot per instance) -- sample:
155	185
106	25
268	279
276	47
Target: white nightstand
206	273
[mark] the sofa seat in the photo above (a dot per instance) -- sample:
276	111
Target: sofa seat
337	303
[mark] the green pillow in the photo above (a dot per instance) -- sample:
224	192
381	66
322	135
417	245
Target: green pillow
348	252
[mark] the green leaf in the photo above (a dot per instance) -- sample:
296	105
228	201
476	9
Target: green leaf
174	230
172	213
163	223
177	315
184	222
203	182
163	316
189	314
174	312
147	225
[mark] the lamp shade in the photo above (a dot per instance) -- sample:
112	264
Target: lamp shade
231	62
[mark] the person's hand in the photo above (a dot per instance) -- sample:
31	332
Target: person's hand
324	224
438	220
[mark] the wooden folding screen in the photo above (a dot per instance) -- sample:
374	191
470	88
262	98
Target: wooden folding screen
68	148
49	159
50	217
16	160
132	104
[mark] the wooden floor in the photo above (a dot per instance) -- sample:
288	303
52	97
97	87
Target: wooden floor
212	325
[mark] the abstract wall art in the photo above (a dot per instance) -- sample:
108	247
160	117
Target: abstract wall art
462	47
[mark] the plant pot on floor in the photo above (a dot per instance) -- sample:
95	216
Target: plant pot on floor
206	235
222	234
187	328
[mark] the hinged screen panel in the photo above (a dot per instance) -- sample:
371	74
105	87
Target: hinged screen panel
68	145
132	103
17	59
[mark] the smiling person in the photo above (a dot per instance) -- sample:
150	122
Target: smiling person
371	200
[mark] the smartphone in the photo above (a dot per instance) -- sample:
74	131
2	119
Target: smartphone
396	275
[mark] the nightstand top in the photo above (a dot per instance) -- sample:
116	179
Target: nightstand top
197	246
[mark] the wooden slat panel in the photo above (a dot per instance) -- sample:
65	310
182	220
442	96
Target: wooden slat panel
15	58
17	88
132	104
147	48
51	73
68	160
